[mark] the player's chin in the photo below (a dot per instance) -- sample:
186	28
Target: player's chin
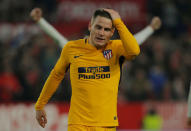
100	44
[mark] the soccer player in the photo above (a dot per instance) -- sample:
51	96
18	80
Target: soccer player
94	73
141	36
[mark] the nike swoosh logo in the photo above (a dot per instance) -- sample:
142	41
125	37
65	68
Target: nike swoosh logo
77	56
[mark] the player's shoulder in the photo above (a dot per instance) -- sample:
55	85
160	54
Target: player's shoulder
115	43
75	43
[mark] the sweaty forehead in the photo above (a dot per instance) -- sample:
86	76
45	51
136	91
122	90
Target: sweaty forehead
102	21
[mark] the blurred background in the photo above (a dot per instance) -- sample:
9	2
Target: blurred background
154	88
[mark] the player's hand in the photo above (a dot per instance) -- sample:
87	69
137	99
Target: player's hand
156	23
189	123
41	117
114	14
36	14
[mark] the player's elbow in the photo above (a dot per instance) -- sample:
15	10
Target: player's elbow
136	51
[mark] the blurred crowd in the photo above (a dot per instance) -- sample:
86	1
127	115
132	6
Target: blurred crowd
161	72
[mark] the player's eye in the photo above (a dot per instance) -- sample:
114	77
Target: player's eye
107	29
98	27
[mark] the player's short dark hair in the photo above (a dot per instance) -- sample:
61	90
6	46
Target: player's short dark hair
101	12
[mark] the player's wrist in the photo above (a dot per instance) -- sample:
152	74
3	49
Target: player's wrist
40	20
117	21
153	27
38	107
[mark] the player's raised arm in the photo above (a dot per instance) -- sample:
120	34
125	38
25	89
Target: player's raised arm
36	15
129	42
148	30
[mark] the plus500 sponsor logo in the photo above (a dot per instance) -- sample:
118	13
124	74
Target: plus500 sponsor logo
100	72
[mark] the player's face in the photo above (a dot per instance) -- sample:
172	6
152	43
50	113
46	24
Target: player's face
101	30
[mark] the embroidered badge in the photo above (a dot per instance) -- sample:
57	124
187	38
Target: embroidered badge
107	54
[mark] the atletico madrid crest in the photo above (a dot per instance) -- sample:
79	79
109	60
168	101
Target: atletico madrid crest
107	54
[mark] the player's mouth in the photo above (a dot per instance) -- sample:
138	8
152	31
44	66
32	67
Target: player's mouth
99	39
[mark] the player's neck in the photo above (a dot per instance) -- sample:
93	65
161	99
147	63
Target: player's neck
90	41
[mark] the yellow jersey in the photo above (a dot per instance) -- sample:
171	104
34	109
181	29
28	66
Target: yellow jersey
94	75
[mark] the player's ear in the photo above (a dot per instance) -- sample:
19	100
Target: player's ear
112	31
89	26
